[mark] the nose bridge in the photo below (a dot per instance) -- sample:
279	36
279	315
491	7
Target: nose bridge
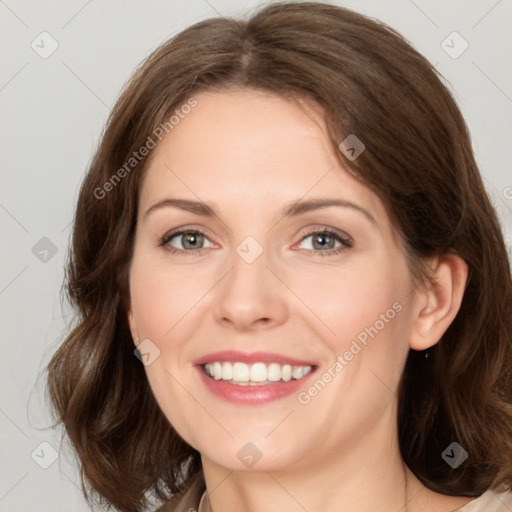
249	268
250	292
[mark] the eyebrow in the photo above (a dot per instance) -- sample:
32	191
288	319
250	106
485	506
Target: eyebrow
293	209
300	207
197	207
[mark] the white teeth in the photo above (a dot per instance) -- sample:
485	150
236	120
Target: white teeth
274	372
258	372
298	372
245	374
240	372
227	371
217	371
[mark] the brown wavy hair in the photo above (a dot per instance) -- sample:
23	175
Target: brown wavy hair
418	160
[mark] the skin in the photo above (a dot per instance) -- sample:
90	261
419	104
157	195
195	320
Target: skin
249	154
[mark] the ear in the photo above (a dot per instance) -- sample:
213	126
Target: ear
438	301
131	321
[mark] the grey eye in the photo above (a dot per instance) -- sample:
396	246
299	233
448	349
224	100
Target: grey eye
321	241
187	240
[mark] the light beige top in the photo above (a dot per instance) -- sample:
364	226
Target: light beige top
194	500
490	501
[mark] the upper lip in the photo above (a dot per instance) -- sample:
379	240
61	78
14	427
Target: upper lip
250	358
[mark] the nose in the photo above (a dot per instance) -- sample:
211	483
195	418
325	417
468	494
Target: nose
250	297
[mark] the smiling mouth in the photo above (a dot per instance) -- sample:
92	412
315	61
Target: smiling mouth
256	374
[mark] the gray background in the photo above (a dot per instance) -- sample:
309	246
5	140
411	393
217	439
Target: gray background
53	110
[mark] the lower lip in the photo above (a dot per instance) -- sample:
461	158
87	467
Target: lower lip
252	395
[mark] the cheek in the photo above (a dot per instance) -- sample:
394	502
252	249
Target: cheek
164	305
365	318
161	298
364	313
362	301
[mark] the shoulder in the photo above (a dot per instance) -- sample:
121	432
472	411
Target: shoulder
188	499
498	500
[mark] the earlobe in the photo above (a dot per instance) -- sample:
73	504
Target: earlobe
438	301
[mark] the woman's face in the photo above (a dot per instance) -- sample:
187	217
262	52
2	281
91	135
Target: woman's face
257	253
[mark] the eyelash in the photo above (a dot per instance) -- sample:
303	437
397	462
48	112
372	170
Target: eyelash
164	241
345	241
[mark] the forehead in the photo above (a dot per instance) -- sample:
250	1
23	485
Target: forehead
248	147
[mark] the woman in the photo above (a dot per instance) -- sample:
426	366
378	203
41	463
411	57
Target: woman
284	218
